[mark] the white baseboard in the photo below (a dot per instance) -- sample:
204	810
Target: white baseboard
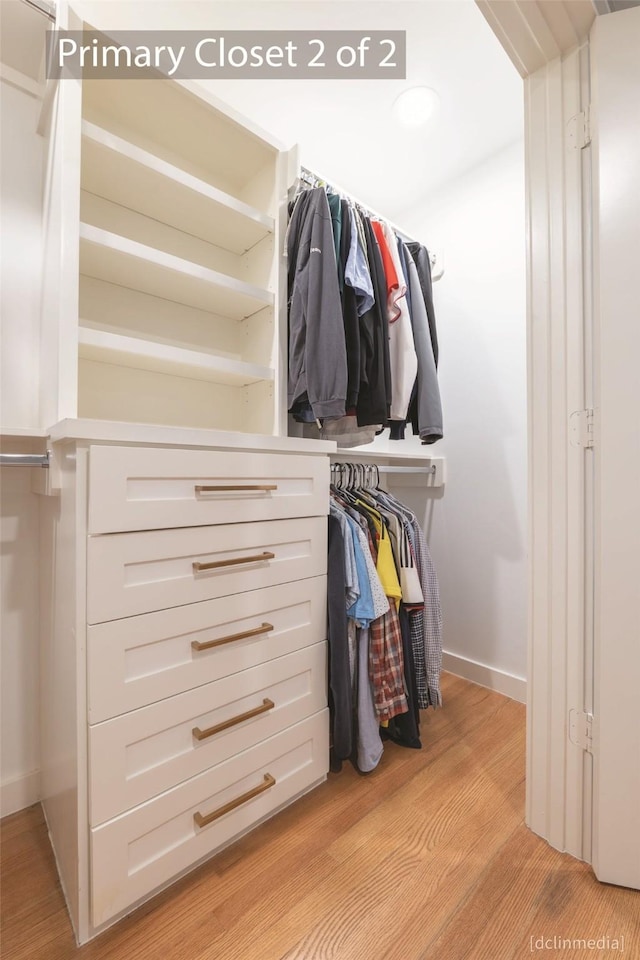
19	793
498	680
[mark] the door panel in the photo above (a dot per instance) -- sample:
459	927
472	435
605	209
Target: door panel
615	70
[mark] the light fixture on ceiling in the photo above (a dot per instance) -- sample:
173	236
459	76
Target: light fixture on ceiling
415	106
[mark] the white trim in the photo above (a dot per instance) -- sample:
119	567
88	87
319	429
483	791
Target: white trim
537	32
19	792
490	677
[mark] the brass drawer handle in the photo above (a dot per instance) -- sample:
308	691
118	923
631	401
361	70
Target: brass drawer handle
197	645
201	821
217	564
211	731
223	488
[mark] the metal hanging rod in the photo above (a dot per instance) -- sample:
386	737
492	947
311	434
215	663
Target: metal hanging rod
426	470
313	179
25	459
43	7
348	474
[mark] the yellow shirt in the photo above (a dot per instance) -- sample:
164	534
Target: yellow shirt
385	565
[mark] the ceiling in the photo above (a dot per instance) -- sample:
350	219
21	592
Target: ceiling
345	128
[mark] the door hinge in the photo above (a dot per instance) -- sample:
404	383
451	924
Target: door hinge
581	428
581	729
579	130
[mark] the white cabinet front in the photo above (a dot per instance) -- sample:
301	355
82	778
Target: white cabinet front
141	754
150	488
135	853
132	573
140	660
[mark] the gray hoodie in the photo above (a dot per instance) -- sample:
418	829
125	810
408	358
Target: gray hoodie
317	350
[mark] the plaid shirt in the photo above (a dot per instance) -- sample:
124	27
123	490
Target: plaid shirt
426	637
386	666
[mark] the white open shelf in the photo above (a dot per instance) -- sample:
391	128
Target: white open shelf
109	347
124	173
115	259
403	457
173	121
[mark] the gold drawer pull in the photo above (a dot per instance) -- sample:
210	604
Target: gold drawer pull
219	488
211	731
201	821
197	645
217	564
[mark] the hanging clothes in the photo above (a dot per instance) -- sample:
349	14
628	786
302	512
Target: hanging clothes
362	336
422	261
379	594
425	410
317	349
340	686
427	396
402	350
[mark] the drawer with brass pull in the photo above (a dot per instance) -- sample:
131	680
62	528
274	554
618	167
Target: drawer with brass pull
151	488
141	754
139	660
133	573
137	852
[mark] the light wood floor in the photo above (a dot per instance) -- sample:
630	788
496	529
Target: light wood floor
427	857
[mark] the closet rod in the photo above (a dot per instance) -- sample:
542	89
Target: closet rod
308	176
43	7
428	470
24	459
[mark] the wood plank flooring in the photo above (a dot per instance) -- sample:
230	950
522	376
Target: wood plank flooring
426	857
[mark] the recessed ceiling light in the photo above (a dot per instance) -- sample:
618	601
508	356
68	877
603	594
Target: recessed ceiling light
415	106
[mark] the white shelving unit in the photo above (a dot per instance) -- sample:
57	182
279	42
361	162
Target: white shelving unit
164	275
139	180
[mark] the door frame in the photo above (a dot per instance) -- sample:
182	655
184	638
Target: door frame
549	46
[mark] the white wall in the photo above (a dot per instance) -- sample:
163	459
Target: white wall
21	203
21	175
477	531
19	651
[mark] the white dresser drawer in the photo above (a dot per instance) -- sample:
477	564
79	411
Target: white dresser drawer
139	660
147	488
131	573
137	852
141	754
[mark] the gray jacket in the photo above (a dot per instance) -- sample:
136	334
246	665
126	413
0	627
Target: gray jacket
317	350
428	399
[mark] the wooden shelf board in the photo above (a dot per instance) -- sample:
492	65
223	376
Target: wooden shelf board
120	171
181	122
116	259
109	431
126	351
385	456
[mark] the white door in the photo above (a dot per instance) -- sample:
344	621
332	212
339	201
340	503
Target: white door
615	77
